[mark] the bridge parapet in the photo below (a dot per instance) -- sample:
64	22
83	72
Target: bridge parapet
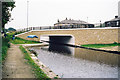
82	36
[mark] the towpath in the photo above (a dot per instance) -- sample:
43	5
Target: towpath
15	66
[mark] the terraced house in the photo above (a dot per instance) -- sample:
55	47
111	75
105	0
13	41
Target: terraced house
70	23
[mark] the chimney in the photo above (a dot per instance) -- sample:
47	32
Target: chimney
66	18
58	20
116	16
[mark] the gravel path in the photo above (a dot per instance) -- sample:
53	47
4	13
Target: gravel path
15	66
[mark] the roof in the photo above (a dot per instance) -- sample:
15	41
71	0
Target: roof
115	19
71	21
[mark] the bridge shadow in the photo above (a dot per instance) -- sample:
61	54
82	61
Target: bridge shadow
62	49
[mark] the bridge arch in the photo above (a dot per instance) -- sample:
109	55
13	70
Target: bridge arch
57	42
58	38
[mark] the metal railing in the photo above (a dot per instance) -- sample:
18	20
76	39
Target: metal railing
49	27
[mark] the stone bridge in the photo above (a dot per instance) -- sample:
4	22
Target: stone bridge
77	36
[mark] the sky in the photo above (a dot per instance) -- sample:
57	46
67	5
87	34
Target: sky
47	12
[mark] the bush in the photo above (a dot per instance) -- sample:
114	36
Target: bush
115	43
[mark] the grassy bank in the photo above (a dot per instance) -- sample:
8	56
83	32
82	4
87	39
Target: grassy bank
22	41
19	40
101	45
5	46
38	72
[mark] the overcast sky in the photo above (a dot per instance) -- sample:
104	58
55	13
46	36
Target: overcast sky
47	12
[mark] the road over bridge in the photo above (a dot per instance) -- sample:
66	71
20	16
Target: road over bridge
78	36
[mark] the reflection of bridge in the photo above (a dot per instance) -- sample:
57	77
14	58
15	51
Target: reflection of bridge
80	36
57	44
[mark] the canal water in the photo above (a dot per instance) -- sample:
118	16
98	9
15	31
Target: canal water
70	62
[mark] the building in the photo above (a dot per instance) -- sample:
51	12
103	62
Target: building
70	23
116	21
113	23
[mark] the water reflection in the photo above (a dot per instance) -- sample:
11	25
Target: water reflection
83	64
61	49
91	55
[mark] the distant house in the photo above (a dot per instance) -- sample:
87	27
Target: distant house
72	24
113	23
116	21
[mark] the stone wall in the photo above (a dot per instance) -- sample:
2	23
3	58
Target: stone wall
82	36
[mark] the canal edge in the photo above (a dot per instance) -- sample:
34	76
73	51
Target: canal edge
42	66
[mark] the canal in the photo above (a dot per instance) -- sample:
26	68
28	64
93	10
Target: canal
70	62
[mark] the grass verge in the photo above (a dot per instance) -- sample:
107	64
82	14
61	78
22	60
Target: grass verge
101	45
22	41
38	72
5	46
19	40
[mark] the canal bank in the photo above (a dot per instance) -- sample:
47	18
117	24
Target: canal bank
11	66
15	65
18	65
81	63
41	65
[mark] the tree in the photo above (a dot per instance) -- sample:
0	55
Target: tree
11	29
7	7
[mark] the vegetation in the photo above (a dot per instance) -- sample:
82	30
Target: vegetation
5	46
22	41
19	40
11	29
6	8
38	72
101	45
19	32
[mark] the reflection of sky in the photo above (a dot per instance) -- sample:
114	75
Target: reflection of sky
46	12
71	67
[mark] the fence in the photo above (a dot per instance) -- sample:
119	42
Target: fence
47	27
51	27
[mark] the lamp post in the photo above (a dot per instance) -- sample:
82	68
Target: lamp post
87	19
27	13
